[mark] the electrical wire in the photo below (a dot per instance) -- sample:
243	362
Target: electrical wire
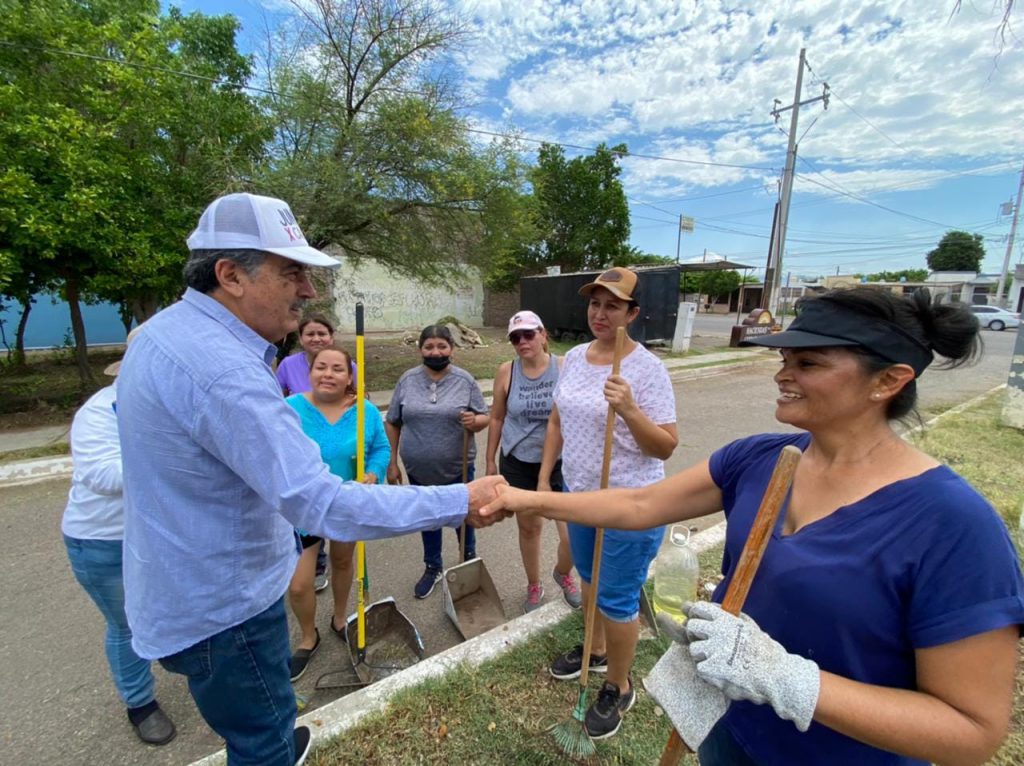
480	131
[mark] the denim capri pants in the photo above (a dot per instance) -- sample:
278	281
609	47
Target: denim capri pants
626	556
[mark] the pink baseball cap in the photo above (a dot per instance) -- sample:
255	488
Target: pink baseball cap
524	320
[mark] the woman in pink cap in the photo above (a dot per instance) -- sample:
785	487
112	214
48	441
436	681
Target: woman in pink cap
523	390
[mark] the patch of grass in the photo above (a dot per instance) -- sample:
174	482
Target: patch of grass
47	388
975	444
500	713
47	450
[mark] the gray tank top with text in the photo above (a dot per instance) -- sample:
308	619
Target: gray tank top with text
526	412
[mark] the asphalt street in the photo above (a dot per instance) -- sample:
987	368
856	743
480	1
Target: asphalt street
58	706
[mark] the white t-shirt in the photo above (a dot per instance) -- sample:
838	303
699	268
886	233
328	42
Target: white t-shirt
583	412
95	509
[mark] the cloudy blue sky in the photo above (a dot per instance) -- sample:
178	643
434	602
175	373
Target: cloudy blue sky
923	132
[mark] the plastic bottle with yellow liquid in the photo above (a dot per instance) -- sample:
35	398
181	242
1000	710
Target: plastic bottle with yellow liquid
675	578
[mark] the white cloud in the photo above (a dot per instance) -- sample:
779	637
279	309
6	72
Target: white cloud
697	82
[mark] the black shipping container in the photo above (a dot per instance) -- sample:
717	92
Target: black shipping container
563	310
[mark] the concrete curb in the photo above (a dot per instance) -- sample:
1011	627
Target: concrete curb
952	411
32	471
339	716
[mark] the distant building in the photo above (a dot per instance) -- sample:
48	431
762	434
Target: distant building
953	286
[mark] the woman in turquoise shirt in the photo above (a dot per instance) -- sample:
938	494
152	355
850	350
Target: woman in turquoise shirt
328	416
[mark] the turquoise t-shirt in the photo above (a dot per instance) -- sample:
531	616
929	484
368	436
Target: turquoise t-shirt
337	442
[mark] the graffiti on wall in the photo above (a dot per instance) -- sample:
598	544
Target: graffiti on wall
392	302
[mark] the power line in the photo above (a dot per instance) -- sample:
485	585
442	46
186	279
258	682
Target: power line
481	131
866	201
704	196
874	127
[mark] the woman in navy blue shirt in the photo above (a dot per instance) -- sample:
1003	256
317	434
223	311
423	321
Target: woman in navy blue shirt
884	618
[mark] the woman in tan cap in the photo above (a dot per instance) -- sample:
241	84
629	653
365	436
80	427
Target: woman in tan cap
519	414
644	437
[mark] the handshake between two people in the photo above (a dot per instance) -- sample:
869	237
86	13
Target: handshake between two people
491	500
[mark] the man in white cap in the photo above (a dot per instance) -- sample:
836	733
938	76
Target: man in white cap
218	475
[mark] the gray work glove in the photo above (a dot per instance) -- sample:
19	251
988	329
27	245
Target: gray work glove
735	655
691	703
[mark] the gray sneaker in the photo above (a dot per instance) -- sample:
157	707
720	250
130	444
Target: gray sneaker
570	592
534	597
320	582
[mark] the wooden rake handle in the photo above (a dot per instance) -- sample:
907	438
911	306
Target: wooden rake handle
595	566
750	559
465	477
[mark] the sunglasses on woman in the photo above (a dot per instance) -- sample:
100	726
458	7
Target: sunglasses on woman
519	335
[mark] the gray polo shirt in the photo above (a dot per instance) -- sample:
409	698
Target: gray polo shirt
428	413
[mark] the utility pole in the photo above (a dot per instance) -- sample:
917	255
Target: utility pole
1000	300
685	224
778	248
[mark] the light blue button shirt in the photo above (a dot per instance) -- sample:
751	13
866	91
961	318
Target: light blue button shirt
218	473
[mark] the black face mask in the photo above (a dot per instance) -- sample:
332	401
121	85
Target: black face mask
437	363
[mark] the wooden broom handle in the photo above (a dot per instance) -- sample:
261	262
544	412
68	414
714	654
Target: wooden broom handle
465	476
750	559
595	566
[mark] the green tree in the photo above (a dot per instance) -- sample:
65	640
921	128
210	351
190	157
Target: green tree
632	256
911	275
957	251
368	147
105	151
713	284
194	137
581	210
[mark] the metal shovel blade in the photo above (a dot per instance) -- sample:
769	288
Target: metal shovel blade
470	598
647	618
691	703
392	642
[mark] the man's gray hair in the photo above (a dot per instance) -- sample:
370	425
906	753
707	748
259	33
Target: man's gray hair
200	272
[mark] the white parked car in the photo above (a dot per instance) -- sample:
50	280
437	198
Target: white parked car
995	318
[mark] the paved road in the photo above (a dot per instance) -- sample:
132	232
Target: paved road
58	708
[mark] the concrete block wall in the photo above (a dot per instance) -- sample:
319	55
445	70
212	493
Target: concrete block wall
498	307
393	302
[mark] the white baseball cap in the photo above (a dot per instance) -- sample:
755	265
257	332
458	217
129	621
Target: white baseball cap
251	222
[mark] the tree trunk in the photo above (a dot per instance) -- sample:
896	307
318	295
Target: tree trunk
124	312
85	376
144	308
19	337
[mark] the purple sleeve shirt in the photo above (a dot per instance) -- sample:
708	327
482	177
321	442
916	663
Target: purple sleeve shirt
293	374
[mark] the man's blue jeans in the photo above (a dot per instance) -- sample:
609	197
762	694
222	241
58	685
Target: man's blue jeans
97	567
239	679
433	538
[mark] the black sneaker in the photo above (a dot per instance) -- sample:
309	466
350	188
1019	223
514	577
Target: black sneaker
605	716
303	738
302	657
569	665
425	586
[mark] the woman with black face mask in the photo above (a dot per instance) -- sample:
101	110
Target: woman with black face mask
433	406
